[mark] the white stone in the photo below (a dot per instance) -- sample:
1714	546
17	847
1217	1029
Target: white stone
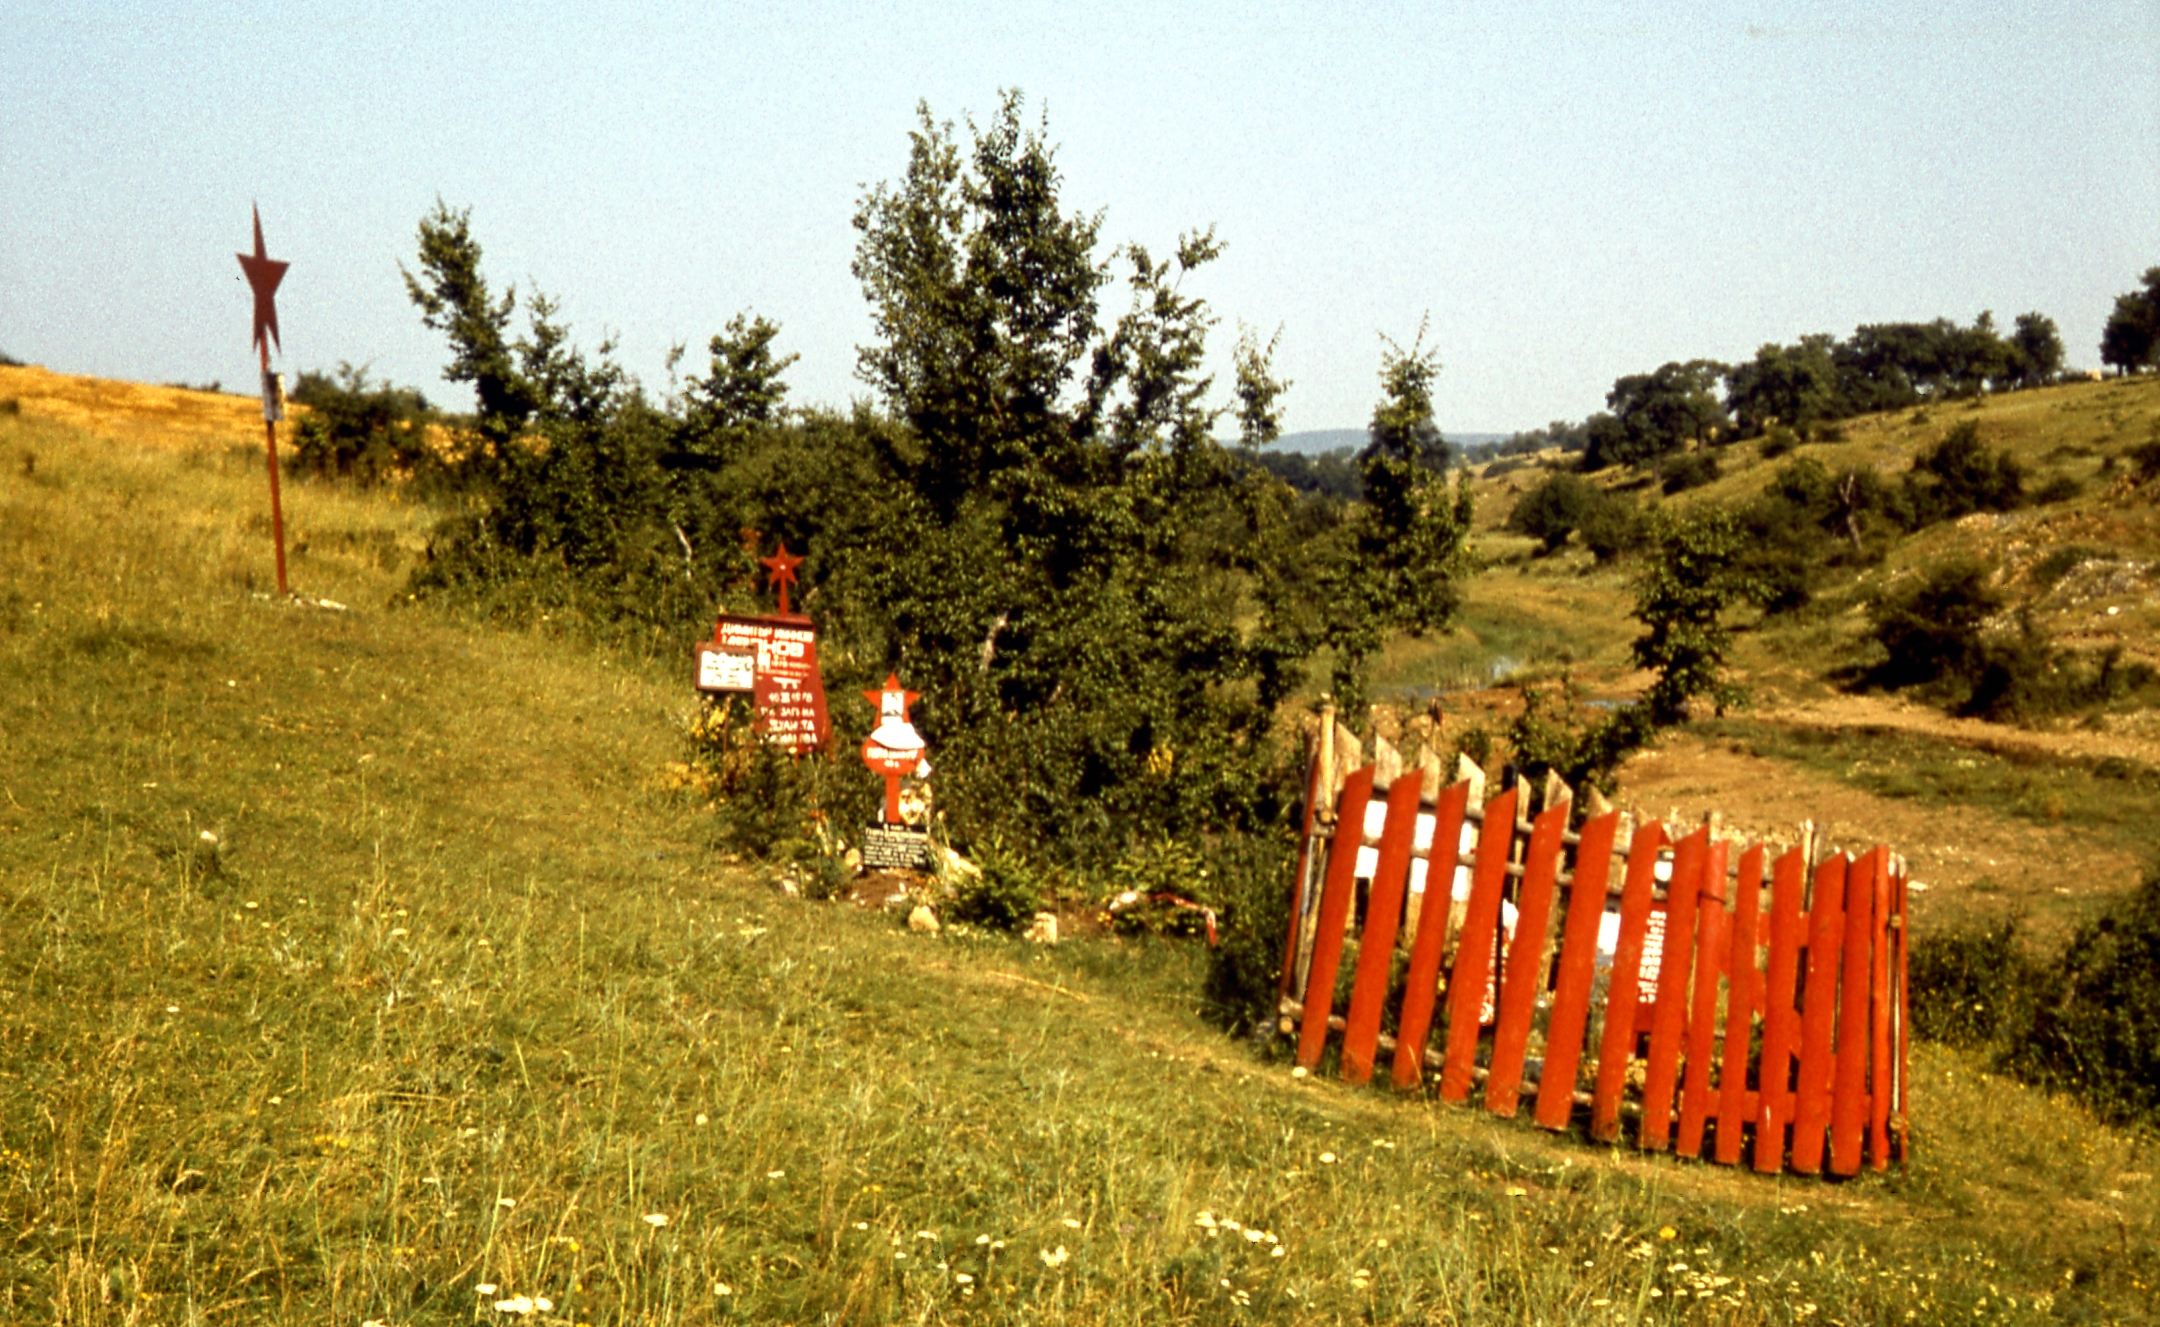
922	921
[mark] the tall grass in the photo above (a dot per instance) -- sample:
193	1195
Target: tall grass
453	998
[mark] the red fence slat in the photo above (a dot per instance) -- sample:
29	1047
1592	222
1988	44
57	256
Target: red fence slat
1742	984
1474	947
1849	1103
1383	917
1335	900
1879	1020
1818	1014
1781	1015
1421	983
1662	1068
1904	1062
1617	1046
1710	961
1525	974
1578	969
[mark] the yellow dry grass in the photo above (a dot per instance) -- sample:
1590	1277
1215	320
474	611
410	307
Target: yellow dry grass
135	412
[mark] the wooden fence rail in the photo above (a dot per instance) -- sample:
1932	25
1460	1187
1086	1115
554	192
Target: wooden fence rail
1736	1004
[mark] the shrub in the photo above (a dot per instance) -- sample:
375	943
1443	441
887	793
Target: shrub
2061	488
1777	442
1972	987
1614	526
1931	627
357	429
1252	892
1677	474
1005	896
1553	509
2095	1027
1959	476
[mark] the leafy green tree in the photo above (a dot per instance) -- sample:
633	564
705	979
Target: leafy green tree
1693	577
1659	412
2036	350
454	299
1552	509
1930	628
359	429
1073	571
2131	340
1411	533
1791	385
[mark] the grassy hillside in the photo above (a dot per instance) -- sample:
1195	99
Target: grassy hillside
454	997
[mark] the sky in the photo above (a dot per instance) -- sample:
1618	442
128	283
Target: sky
1558	194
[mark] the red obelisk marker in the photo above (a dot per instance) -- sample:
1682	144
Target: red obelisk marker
780	573
263	275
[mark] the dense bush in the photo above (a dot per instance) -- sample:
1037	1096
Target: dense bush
1252	879
1931	626
1554	508
1679	473
354	428
1959	475
2095	1026
1004	893
1972	987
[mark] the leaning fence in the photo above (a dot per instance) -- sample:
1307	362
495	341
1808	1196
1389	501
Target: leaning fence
1737	1002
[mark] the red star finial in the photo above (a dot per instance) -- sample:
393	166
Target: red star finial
780	572
886	703
263	275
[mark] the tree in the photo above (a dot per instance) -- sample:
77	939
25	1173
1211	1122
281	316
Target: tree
1412	531
455	301
2036	350
1553	509
2131	340
1659	412
1096	598
1693	576
1790	385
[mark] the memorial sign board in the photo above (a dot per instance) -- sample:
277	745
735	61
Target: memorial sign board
895	848
775	660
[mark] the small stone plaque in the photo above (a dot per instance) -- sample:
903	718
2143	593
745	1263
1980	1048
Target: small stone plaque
895	848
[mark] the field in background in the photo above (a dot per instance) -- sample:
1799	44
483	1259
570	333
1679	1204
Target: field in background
454	997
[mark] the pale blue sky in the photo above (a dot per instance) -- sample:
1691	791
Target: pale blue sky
1573	192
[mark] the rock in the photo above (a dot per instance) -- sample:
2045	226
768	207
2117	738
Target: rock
852	860
950	862
1044	931
922	921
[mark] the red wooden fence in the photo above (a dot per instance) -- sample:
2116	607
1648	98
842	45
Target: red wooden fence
1742	995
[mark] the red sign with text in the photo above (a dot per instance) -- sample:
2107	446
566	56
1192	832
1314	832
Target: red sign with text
777	658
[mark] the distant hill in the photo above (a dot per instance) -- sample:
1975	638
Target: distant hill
1315	442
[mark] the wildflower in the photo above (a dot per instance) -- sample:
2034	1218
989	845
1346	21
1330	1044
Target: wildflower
506	1202
1206	1220
1667	1232
172	1009
1600	1303
1516	1191
982	1239
723	1288
656	1219
1298	1072
277	1101
1069	1223
996	1244
1382	1242
963	1278
1327	1158
484	1288
1054	1258
701	1119
926	1234
1277	1252
1254	1236
776	1174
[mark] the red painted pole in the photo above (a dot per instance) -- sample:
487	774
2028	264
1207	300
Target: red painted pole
277	508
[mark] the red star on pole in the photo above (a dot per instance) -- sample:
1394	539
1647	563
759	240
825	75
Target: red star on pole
780	572
263	275
883	699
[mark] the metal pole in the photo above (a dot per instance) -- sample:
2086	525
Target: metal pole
277	509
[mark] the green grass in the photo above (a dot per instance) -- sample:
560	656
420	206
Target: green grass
459	998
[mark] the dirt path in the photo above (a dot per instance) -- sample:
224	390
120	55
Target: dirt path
1974	865
2131	737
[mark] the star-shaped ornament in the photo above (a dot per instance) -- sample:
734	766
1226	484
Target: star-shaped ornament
263	275
780	572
